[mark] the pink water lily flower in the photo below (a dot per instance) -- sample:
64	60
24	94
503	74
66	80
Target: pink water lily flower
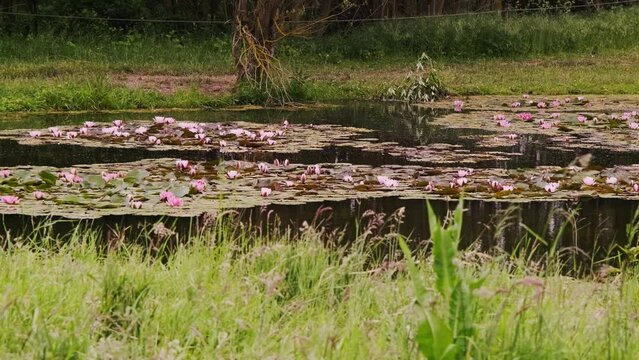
231	174
276	162
347	178
541	105
634	186
165	195
262	167
181	164
611	180
545	125
89	124
109	130
266	135
515	104
525	116
457	105
288	183
199	185
495	185
70	177
271	142
508	188
461	181
192	170
174	201
72	135
265	191
39	195
504	123
141	130
83	130
633	125
135	204
5	173
464	172
430	186
555	103
303	178
222	143
57	133
582	119
588	181
108	176
551	187
35	133
387	182
118	123
10	199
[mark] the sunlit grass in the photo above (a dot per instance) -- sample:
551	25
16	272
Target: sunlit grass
243	296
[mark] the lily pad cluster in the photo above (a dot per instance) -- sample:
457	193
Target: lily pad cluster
182	188
165	133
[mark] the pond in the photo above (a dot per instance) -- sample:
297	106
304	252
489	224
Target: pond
341	166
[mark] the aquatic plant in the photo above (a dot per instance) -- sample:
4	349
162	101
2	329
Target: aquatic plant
421	85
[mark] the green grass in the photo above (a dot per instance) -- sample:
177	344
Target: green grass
587	54
242	296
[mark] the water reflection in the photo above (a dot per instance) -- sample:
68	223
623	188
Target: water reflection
586	230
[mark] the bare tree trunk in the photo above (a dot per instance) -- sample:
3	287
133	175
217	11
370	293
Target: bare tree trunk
254	38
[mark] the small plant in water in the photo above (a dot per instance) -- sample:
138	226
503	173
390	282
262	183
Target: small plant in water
449	336
421	85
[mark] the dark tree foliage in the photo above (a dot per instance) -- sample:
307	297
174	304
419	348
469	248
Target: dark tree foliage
222	10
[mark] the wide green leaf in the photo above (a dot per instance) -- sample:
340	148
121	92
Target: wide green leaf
48	177
93	182
136	176
445	241
435	339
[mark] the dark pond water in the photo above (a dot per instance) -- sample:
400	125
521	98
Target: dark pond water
392	122
588	230
598	223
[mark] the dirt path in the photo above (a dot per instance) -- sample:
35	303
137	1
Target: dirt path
169	84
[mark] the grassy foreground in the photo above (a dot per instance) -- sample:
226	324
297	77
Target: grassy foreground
248	297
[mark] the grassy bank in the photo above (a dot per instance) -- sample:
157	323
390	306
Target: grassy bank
593	53
242	296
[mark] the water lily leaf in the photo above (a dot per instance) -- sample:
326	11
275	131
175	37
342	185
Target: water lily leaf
71	200
179	190
21	174
94	182
136	176
118	199
48	177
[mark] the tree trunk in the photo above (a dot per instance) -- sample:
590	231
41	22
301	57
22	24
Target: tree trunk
254	38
